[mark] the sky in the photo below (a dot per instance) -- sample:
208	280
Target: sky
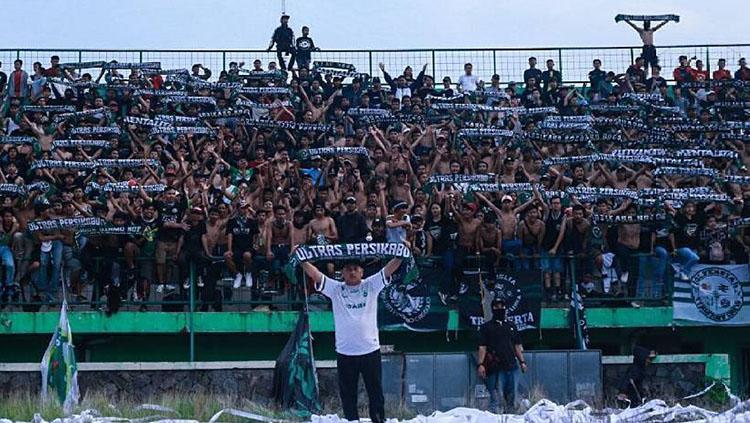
353	24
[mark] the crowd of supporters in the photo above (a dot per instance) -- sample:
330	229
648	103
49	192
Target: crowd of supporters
225	171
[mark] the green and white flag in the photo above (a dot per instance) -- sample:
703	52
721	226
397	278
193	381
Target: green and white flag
59	368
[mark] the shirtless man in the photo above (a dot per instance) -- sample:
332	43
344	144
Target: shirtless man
489	243
531	231
628	241
299	229
511	245
322	229
316	107
400	190
647	36
468	225
278	239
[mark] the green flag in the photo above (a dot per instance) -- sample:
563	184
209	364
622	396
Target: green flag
59	368
295	381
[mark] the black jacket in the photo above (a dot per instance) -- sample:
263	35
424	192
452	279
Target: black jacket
636	372
352	227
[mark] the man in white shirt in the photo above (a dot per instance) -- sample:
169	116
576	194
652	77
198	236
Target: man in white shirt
355	317
468	82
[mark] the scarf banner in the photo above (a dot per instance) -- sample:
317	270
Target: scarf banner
496	93
602	192
264	91
125	186
81	143
141	121
333	151
298	126
176	130
458	178
435	98
131	65
223	114
192	99
363	251
718	84
716	295
12	190
342	73
710	127
333	65
364	111
390	119
159	93
178	120
737	179
566	160
622	122
732	104
83	65
745	221
62	164
735	137
644	97
680	154
255	105
95	130
48	109
79	115
491	187
485	132
109	229
658	192
671	120
577	119
560	138
731	125
65	223
686	171
613	108
629	218
201	84
264	75
533	111
18	140
522	293
126	163
151	72
697	197
641	18
561	125
465	107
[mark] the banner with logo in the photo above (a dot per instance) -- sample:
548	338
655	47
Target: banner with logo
714	295
522	292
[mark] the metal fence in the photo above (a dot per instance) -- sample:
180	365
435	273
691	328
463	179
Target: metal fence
509	63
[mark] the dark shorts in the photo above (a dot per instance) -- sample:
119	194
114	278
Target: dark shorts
649	55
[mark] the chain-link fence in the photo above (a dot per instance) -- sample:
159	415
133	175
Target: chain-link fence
573	62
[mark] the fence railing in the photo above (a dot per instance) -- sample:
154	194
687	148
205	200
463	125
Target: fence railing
509	63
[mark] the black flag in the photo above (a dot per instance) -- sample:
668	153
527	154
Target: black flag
295	382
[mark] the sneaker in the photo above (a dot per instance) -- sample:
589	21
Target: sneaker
248	279
624	277
262	307
160	288
186	284
443	298
635	304
135	297
237	280
200	281
463	289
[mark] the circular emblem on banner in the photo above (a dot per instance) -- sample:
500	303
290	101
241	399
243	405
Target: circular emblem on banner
717	293
506	288
409	301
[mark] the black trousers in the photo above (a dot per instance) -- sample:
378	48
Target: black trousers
279	55
349	368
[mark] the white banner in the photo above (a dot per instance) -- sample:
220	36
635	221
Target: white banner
714	295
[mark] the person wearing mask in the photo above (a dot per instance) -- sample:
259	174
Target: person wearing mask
631	392
500	356
283	37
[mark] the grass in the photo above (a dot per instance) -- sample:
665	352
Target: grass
201	407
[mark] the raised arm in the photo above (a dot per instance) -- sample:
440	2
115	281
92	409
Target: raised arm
656	28
391	267
313	273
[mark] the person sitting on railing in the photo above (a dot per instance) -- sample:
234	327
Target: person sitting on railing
283	37
303	46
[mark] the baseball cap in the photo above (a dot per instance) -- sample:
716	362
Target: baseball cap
400	205
496	76
506	197
350	199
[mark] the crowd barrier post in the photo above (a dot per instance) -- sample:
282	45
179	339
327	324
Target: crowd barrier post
191	321
224	60
494	62
559	62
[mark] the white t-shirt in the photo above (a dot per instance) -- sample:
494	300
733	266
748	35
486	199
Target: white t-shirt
468	82
355	313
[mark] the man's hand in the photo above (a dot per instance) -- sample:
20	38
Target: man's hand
381	66
524	368
481	371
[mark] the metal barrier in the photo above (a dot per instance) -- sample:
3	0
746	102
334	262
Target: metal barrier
509	63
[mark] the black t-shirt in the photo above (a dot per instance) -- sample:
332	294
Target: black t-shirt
501	338
170	213
304	46
596	76
193	237
443	233
243	231
687	231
